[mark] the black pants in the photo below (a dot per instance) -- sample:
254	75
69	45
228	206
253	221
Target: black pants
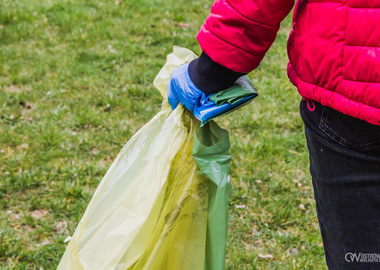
345	167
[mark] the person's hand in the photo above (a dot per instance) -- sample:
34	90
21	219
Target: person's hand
203	104
181	89
193	83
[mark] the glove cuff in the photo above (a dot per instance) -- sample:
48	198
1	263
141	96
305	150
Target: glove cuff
211	77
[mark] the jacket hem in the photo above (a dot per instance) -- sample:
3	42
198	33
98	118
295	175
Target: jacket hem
334	100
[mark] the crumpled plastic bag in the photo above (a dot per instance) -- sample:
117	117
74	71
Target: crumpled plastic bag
163	203
241	93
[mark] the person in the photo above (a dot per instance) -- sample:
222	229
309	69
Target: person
334	61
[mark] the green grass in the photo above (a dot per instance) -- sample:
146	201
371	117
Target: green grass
76	83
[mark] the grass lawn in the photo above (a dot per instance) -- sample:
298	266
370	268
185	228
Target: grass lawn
76	83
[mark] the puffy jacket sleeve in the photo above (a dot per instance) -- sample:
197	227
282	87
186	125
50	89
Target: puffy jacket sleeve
238	33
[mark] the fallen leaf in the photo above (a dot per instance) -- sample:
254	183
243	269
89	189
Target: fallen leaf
183	25
110	49
44	243
293	152
23	146
248	246
61	226
37	214
29	228
13	216
265	256
259	242
12	89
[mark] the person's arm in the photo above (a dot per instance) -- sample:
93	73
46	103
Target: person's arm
238	33
234	40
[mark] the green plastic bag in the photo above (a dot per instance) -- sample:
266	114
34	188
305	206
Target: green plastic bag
163	203
211	152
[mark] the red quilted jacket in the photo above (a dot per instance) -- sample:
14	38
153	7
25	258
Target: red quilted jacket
334	47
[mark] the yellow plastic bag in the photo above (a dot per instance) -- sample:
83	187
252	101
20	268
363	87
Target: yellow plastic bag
150	209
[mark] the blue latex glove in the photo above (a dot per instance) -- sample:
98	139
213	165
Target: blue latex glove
182	89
